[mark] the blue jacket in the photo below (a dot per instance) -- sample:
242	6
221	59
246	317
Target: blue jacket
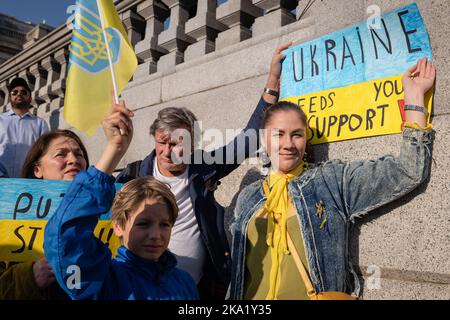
69	244
348	190
3	173
204	178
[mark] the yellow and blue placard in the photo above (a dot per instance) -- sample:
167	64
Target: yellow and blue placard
89	85
25	207
349	82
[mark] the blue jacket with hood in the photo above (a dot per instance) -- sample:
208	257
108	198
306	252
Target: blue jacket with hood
83	265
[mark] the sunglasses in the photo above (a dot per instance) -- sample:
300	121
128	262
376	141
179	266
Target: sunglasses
22	92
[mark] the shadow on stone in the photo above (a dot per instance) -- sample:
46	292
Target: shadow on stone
54	120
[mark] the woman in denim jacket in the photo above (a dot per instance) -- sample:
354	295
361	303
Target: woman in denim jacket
305	212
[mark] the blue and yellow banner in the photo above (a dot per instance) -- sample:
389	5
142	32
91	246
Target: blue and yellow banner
349	82
89	85
25	207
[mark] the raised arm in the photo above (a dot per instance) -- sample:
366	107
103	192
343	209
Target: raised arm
273	81
416	83
118	129
367	185
80	261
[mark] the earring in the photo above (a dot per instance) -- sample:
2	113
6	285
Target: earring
305	161
264	163
305	156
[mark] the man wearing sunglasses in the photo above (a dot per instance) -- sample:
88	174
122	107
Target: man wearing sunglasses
19	129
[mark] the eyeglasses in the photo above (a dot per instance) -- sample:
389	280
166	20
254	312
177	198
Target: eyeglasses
22	92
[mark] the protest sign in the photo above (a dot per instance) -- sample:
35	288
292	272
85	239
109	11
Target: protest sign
25	207
349	82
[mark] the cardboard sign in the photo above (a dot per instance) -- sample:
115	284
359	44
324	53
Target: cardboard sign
25	207
349	82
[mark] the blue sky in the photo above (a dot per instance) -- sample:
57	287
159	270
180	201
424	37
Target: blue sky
53	11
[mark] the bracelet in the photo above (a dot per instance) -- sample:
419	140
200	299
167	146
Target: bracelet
271	92
416	108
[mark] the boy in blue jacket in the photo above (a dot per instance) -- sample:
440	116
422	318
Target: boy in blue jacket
143	214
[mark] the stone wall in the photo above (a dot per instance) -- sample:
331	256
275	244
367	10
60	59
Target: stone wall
215	61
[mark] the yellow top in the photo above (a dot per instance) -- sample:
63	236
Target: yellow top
275	213
258	262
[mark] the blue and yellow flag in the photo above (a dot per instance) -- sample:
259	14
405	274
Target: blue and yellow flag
89	84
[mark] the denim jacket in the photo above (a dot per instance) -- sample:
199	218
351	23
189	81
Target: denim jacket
347	190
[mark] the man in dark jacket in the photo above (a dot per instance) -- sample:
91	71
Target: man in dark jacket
198	237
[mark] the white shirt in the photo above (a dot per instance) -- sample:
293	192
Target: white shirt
17	135
185	241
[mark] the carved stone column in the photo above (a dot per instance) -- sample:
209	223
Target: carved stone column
53	69
135	26
238	16
277	14
174	39
59	86
204	29
40	74
148	49
3	96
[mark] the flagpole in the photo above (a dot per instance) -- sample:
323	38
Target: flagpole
116	96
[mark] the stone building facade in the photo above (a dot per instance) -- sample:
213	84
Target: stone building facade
215	59
12	36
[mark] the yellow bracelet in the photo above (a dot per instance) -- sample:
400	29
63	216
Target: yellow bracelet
415	125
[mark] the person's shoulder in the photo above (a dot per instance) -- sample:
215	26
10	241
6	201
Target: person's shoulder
137	169
248	194
6	120
5	115
40	120
183	276
184	283
35	119
252	188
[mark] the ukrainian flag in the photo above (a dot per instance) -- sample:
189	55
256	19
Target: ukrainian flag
89	84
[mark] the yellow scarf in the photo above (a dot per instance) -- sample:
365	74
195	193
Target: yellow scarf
276	208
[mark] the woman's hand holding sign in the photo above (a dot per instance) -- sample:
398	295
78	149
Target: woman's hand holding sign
272	89
417	81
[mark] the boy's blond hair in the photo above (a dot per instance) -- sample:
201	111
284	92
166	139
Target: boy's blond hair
136	191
